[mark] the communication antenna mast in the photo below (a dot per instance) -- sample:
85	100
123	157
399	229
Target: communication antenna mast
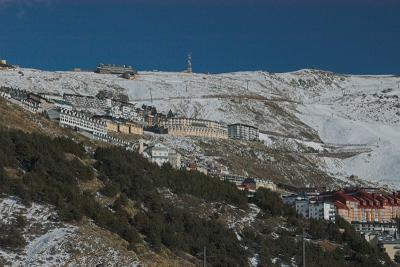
189	63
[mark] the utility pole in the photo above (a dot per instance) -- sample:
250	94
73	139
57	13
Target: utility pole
151	96
205	257
304	250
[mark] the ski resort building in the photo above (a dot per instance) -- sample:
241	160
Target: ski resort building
195	127
32	102
368	210
161	154
123	126
243	132
5	65
316	209
31	106
246	183
80	121
115	69
367	206
88	102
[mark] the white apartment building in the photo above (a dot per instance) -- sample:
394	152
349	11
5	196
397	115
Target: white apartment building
82	122
161	154
314	209
243	132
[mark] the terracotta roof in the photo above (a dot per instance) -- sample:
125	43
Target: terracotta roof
346	196
340	205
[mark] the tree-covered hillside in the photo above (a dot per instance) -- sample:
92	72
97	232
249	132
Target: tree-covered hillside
38	168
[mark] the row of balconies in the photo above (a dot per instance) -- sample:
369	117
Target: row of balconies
197	131
190	121
91	125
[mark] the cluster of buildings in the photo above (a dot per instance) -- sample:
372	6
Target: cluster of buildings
363	208
81	102
151	116
161	154
34	103
122	117
105	118
148	116
372	212
249	184
126	111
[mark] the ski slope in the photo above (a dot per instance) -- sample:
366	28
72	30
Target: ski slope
306	105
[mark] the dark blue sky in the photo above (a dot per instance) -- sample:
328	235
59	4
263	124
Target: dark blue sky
353	36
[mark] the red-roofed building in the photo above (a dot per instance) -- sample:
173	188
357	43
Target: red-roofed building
364	206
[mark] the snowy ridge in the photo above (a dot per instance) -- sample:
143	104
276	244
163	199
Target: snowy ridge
311	106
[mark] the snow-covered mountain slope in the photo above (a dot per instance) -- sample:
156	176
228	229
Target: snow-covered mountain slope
346	111
47	241
41	233
50	242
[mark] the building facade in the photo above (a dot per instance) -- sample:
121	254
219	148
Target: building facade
242	182
315	209
368	210
243	132
80	121
87	102
125	127
264	183
115	69
368	207
161	154
195	127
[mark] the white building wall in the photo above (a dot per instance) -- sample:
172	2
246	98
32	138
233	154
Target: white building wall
243	132
302	207
79	121
311	209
